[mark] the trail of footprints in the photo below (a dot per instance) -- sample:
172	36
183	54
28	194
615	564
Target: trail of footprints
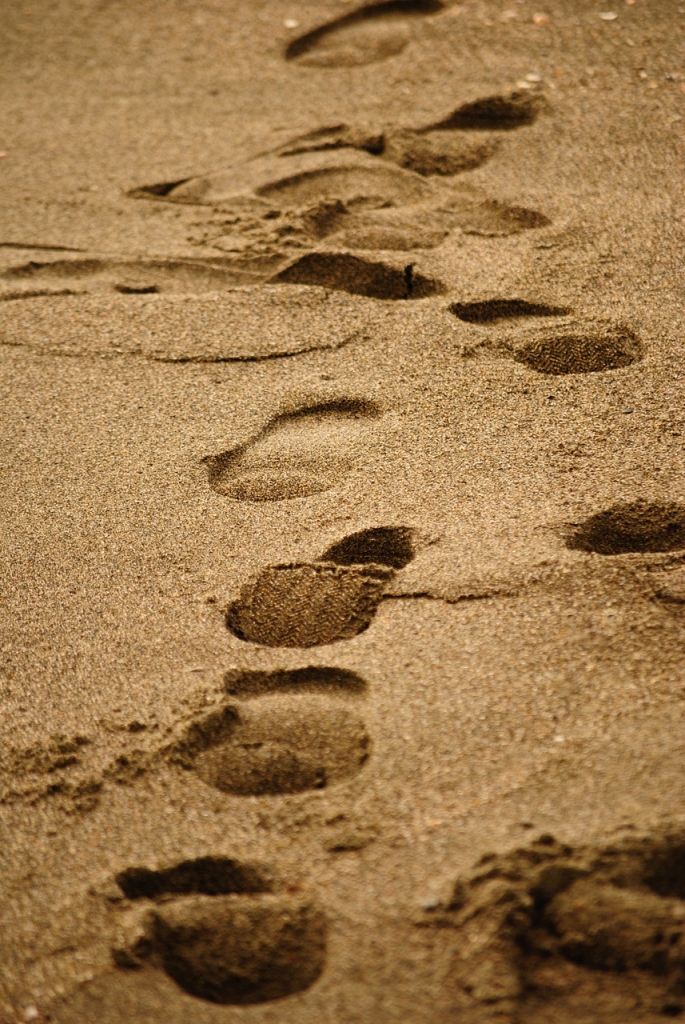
228	932
225	934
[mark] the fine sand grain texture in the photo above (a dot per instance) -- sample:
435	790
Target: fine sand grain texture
342	358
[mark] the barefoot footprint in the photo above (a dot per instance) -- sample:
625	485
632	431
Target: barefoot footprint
369	34
222	931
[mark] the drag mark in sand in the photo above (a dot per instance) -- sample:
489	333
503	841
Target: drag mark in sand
297	454
221	932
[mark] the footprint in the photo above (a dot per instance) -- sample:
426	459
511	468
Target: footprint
307	605
297	454
280	744
219	931
244	324
352	176
463	140
537	924
492	311
125	276
337	185
322	602
295	732
342	271
440	153
582	347
424	151
631	526
369	34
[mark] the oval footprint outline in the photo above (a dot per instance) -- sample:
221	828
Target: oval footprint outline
296	455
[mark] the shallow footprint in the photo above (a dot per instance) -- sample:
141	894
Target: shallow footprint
364	36
125	276
297	454
218	931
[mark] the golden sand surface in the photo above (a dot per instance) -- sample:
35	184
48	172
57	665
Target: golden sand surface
343	574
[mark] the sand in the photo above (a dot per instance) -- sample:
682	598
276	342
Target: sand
343	391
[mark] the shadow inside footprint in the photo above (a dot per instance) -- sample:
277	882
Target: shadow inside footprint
492	113
225	939
296	455
209	876
314	679
631	526
492	311
382	545
342	271
364	36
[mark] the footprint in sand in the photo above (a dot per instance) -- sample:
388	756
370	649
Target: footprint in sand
116	275
371	33
335	598
575	922
283	732
348	188
570	345
297	454
221	930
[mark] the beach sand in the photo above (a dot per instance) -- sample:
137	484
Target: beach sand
343	390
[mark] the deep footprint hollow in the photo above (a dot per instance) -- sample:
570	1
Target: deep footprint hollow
341	271
218	931
638	526
307	605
